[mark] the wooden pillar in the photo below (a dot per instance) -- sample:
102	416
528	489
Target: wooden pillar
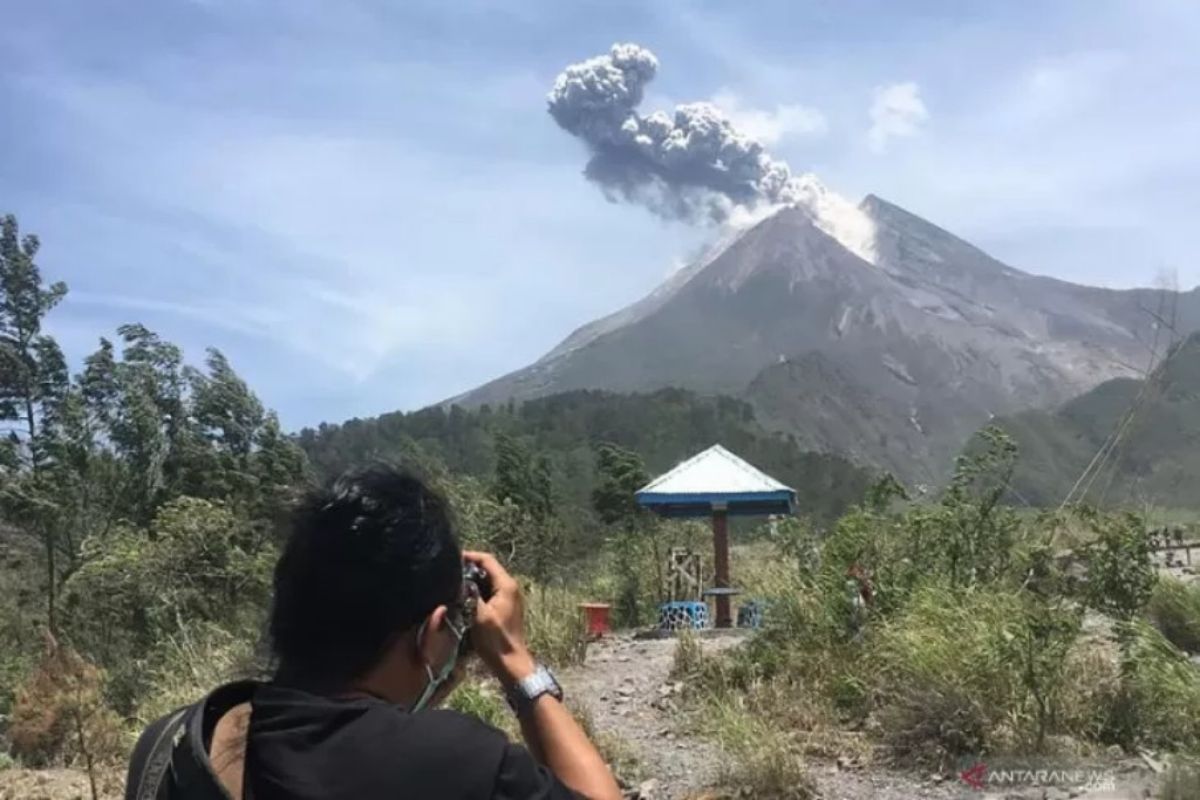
721	564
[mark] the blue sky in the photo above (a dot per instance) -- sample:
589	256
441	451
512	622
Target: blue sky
366	207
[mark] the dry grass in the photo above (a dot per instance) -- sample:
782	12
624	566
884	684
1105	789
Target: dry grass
191	663
765	761
555	625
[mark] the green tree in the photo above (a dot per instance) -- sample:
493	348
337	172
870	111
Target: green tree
619	474
32	393
523	483
25	374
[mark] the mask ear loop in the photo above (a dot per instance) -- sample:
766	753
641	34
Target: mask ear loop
434	682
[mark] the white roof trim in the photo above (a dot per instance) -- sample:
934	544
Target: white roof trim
713	471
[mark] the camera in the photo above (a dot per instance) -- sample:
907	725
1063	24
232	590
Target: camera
476	581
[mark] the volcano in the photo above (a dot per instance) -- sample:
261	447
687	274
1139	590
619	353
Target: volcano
861	329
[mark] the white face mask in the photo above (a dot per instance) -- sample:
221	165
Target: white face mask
436	681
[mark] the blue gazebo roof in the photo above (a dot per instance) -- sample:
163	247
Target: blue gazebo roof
716	479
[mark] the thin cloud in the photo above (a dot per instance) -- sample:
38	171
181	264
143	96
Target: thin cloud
897	110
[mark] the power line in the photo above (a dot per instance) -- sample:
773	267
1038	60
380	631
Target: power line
1152	375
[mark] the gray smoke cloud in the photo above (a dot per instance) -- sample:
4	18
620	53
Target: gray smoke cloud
695	165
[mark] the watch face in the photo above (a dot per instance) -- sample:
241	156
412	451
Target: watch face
541	682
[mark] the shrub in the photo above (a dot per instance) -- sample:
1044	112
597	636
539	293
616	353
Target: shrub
198	563
60	717
958	670
1174	608
1120	574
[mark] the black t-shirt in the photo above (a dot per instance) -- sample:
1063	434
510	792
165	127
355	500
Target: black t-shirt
302	746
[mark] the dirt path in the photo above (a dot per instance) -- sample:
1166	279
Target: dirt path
626	688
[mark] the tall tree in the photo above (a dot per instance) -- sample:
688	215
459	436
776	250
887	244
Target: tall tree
26	354
523	481
32	391
619	474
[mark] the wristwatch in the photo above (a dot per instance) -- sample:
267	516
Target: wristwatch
526	691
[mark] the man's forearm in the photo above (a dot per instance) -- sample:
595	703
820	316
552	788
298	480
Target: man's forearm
557	740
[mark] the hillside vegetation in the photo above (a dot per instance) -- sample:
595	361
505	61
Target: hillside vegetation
1155	461
663	427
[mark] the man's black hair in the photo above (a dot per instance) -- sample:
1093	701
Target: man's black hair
369	557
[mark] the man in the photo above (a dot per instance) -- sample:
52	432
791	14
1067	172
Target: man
368	620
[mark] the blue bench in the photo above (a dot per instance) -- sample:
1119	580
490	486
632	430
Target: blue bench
683	615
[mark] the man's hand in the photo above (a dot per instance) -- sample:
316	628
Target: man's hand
498	635
552	734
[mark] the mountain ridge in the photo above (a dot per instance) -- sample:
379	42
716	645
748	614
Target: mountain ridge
931	335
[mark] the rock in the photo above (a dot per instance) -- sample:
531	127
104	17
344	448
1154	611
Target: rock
647	790
1114	752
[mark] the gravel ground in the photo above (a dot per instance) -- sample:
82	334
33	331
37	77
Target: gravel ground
625	686
59	784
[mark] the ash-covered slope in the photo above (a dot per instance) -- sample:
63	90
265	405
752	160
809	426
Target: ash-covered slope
862	330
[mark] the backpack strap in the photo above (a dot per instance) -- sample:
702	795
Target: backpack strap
159	758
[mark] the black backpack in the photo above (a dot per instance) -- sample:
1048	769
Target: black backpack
170	760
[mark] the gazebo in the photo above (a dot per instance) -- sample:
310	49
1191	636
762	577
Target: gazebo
717	483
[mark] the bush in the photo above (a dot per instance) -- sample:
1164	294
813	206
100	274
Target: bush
197	564
967	672
60	718
1174	608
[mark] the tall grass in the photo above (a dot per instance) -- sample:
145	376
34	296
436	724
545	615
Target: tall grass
192	662
763	759
1162	691
1174	608
555	625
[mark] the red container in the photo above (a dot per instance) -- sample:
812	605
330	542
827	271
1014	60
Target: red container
597	618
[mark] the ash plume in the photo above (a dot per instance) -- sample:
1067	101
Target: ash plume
692	166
